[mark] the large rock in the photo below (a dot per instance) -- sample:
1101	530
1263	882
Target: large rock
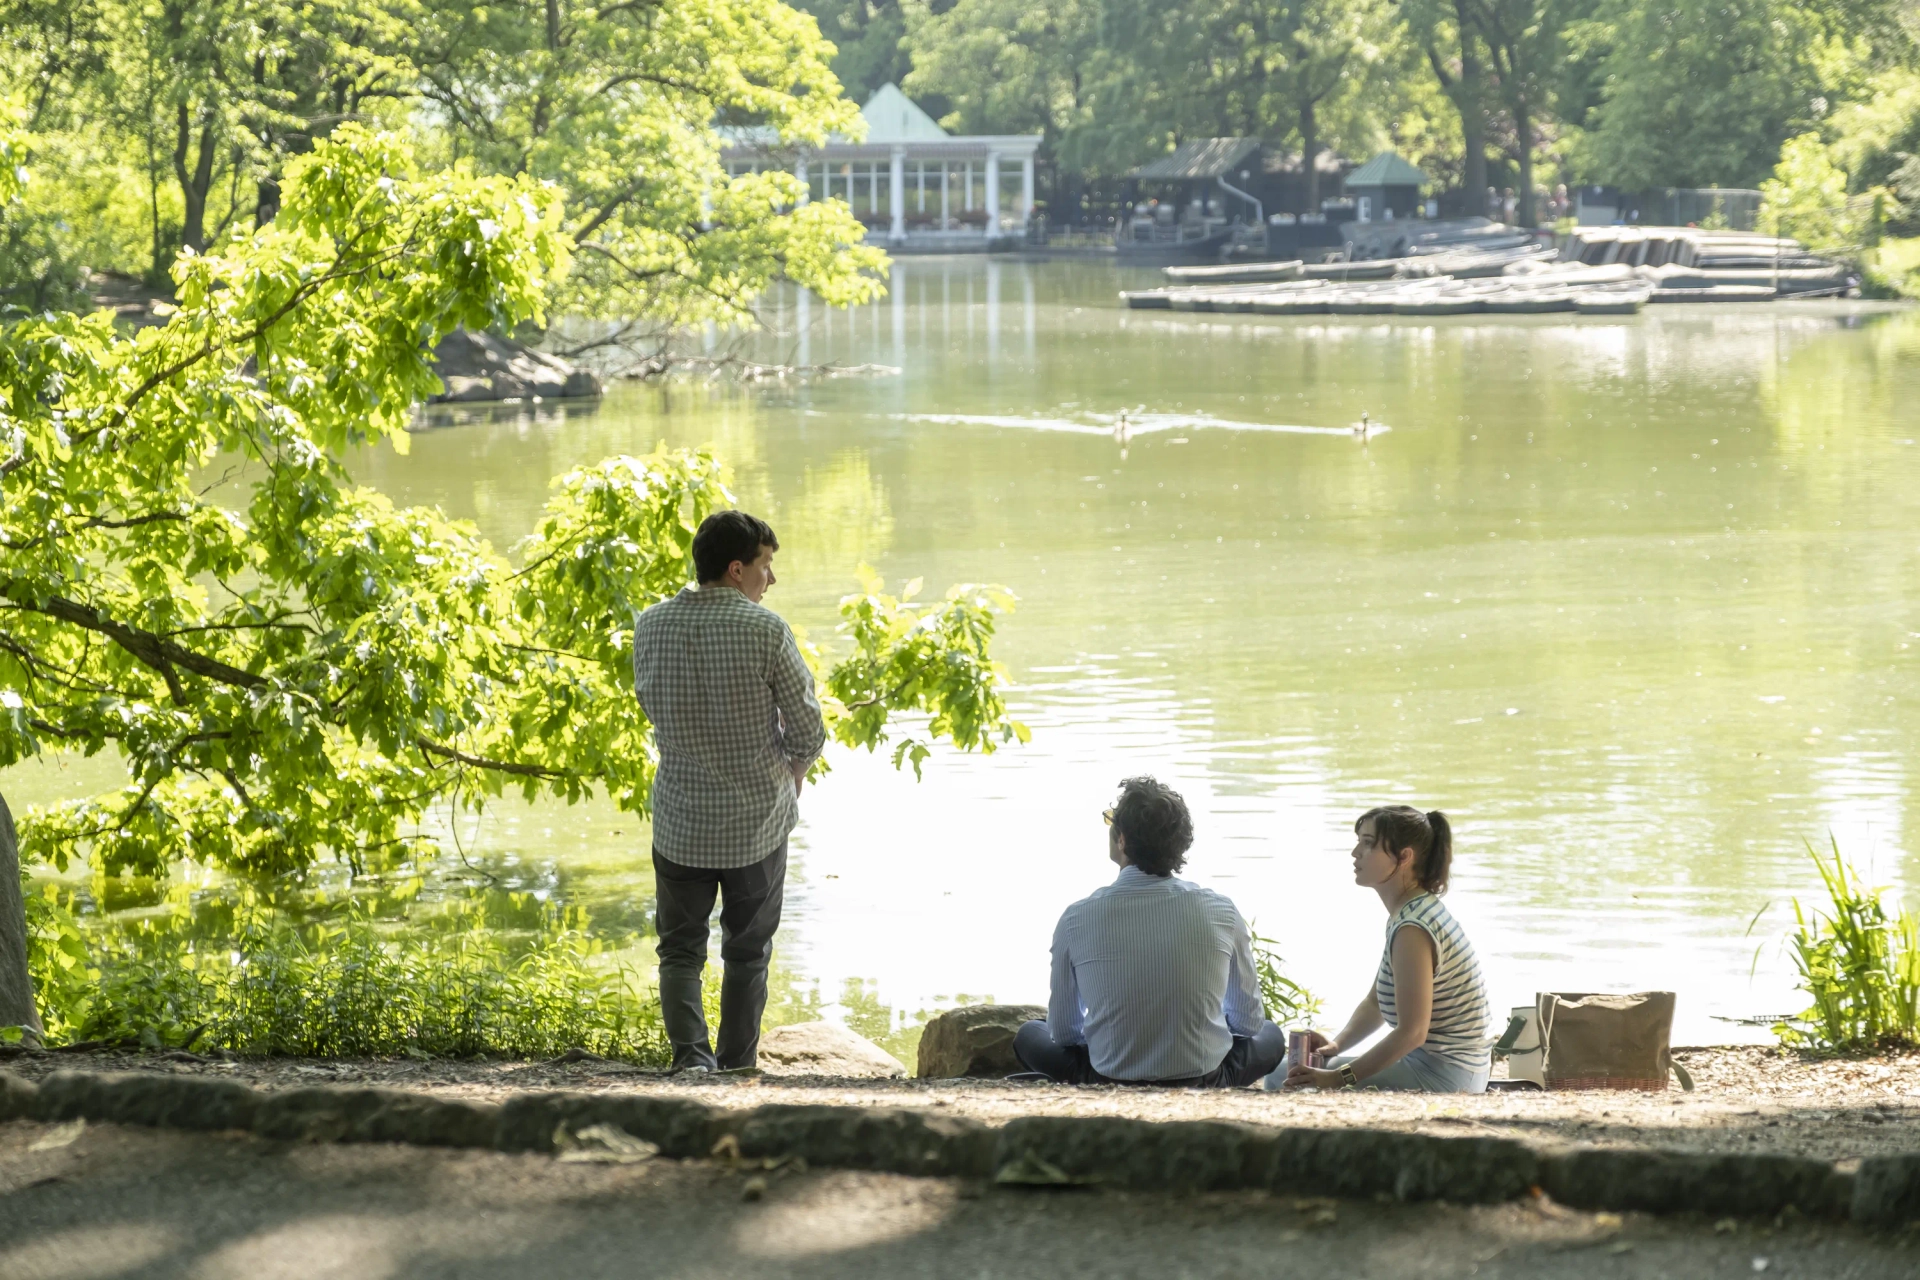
824	1049
974	1040
480	366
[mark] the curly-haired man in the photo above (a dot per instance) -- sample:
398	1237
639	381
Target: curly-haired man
1153	977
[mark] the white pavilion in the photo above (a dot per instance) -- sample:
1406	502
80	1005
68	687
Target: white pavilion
921	188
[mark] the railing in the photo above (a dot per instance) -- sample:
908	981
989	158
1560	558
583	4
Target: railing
1144	231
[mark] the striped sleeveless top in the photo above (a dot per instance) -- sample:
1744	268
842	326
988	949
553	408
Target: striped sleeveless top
1457	1030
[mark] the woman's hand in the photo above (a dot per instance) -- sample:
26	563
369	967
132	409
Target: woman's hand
1321	1045
1303	1077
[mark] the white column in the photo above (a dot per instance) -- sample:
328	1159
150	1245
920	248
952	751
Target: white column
993	192
946	212
898	207
1026	188
800	173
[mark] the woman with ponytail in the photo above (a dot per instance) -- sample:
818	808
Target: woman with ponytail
1429	993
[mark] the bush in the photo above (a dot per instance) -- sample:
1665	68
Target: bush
1861	967
346	988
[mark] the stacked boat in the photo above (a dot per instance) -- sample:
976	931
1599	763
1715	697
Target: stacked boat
1574	288
1600	271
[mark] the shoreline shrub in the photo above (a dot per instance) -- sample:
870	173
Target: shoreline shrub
1860	965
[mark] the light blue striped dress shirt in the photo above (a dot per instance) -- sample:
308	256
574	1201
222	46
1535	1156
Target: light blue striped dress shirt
1155	976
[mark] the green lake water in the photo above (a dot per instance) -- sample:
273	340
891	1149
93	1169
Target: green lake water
1631	599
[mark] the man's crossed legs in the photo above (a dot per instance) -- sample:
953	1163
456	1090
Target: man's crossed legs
1250	1059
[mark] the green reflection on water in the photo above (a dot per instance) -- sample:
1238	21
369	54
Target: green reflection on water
1630	598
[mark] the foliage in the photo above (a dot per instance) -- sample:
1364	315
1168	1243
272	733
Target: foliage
1700	93
1893	270
869	43
1114	84
617	105
1288	1003
1807	198
347	987
206	103
313	667
1860	966
933	660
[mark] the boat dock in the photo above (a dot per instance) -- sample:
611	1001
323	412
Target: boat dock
1599	271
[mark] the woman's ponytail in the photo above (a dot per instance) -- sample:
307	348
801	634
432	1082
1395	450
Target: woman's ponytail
1438	864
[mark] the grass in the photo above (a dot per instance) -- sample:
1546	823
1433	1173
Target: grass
347	987
1860	966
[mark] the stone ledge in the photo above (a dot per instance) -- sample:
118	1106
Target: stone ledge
1195	1155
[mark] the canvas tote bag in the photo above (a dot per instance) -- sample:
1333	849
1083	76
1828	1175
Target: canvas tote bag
1595	1041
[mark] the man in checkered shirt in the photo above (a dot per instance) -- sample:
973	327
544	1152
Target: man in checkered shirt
737	725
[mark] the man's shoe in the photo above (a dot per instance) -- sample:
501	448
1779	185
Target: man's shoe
694	1072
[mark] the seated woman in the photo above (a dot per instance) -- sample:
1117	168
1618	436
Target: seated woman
1429	991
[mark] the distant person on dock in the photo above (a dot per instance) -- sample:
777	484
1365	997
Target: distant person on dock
1428	992
1153	977
737	725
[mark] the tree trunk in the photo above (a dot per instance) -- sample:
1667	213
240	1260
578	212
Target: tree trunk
193	185
266	201
1523	128
16	984
1310	154
1470	99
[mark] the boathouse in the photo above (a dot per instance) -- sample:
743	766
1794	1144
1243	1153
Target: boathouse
1385	187
918	188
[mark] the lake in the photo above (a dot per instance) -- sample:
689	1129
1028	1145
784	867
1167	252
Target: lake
1630	599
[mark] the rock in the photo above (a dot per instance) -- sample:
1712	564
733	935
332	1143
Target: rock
375	1115
1407	1166
1184	1155
1692	1182
16	1096
480	366
893	1139
975	1040
148	1098
824	1049
1886	1191
680	1127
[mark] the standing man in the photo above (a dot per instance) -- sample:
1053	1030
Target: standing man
737	726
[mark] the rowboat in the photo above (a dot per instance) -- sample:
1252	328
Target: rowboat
1610	302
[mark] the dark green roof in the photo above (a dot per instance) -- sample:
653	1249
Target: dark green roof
1202	158
1386	170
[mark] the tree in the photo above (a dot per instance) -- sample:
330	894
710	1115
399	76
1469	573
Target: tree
1011	67
1448	37
1523	41
1698	93
617	106
870	43
312	669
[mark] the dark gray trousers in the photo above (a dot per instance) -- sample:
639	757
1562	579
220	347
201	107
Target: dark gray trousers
750	902
1249	1059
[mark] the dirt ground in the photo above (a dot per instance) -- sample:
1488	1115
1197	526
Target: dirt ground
1745	1099
102	1201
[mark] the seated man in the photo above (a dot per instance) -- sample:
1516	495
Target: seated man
1153	979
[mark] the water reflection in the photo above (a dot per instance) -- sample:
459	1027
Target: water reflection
1594	594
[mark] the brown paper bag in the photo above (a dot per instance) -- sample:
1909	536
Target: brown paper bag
1593	1041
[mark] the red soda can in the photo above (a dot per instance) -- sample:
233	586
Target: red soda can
1300	1049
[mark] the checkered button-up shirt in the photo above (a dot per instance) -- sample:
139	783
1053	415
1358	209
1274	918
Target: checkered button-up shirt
733	714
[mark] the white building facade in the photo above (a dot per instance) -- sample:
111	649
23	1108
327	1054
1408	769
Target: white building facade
917	188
